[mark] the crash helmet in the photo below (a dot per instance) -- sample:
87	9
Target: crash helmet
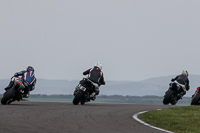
185	73
99	65
30	68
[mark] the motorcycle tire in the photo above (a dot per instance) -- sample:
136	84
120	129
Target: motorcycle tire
7	96
78	97
167	97
196	99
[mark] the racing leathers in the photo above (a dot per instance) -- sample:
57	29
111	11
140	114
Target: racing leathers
27	78
183	80
95	75
198	88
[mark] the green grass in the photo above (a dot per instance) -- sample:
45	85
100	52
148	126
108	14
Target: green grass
184	119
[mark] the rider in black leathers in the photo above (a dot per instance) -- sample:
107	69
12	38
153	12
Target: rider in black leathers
95	75
183	80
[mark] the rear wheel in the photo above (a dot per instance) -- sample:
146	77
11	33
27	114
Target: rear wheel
196	99
78	97
167	97
8	96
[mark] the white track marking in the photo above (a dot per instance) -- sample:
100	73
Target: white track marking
135	116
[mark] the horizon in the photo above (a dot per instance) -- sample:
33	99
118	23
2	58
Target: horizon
111	79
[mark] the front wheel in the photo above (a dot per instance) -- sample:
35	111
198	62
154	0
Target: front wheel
167	97
196	99
78	97
8	96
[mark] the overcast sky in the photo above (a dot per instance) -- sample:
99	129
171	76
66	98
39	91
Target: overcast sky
133	39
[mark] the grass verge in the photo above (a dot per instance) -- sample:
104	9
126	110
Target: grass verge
184	119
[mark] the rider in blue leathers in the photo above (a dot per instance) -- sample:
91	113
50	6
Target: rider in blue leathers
27	78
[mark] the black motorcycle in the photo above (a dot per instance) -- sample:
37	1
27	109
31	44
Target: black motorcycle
196	98
14	93
173	94
83	91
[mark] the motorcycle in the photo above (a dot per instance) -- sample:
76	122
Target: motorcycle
196	98
83	91
14	93
173	94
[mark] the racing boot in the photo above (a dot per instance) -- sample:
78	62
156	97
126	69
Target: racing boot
26	95
93	96
10	85
180	95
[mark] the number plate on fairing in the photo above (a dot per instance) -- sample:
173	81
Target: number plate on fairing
82	88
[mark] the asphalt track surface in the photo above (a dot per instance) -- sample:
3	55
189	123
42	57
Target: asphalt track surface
54	117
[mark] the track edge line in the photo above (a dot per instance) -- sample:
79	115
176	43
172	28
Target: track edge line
135	116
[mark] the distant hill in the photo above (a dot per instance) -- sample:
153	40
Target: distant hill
153	86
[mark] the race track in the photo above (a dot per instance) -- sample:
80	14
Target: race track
53	117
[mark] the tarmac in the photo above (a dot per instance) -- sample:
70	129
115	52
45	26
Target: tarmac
63	117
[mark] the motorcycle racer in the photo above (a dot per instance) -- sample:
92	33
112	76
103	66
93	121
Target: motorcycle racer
28	79
95	76
197	90
183	80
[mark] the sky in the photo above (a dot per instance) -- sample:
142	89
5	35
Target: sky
133	39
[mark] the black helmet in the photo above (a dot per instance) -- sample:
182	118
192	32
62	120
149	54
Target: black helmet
30	68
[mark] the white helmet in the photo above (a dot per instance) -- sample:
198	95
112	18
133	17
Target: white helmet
99	65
